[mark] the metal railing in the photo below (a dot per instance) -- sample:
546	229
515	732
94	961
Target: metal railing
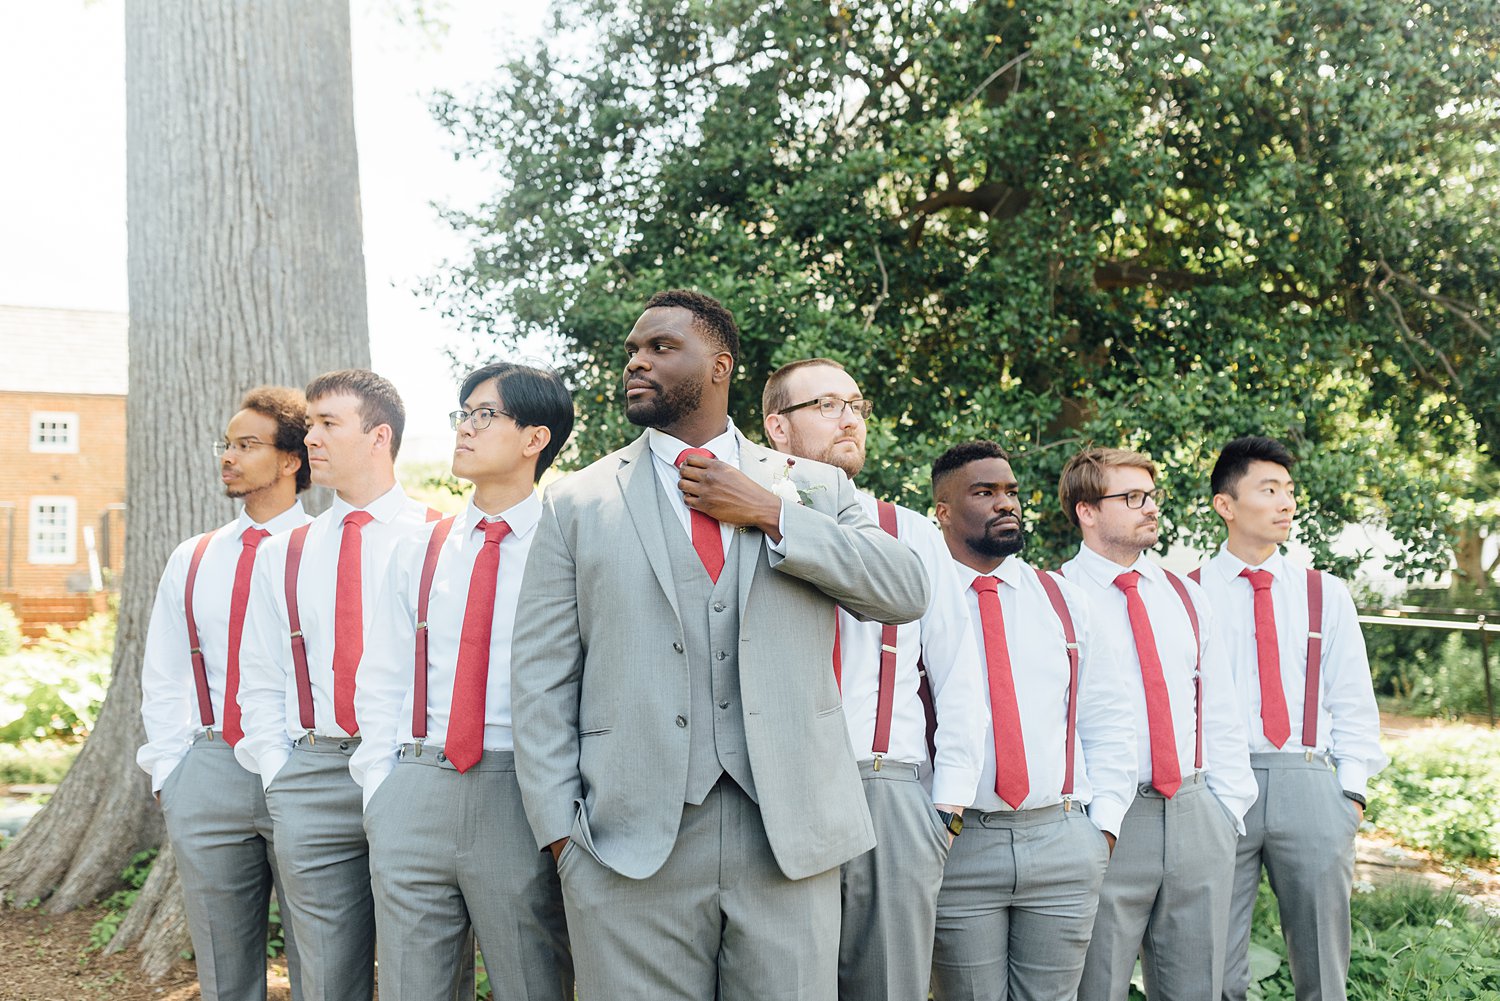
1483	622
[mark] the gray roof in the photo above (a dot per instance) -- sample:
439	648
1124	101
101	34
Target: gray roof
77	351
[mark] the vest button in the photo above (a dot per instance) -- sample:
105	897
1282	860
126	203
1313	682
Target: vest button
677	647
682	721
719	606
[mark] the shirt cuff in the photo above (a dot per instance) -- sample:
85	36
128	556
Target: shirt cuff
957	786
163	767
1107	815
1354	777
779	546
377	773
270	763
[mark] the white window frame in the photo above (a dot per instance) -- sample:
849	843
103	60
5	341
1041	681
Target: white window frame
34	552
67	418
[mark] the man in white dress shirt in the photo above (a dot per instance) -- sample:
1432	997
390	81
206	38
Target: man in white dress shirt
450	847
814	409
1166	894
1022	883
1314	730
215	810
299	665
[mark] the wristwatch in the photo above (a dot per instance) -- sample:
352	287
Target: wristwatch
954	822
1357	798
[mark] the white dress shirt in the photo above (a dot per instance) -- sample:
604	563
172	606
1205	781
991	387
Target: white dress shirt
268	679
169	692
1348	720
1104	764
943	642
383	697
1226	755
726	448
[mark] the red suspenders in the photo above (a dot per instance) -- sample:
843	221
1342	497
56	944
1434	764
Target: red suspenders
1192	614
885	693
195	649
424	592
1314	653
1060	606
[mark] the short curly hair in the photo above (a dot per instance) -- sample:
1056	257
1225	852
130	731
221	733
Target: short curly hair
961	455
288	408
709	316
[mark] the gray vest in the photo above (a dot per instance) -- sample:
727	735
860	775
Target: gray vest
711	630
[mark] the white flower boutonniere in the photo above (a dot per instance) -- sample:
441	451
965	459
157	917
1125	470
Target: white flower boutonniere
783	486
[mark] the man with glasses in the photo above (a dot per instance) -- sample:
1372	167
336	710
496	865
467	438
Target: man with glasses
311	601
1166	894
450	848
814	410
215	810
1292	641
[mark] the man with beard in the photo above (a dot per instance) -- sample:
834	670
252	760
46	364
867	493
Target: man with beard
814	410
1022	884
215	809
1166	895
1292	639
679	740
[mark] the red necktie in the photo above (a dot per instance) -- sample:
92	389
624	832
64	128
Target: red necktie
348	621
1011	781
465	742
1166	773
1273	715
238	599
706	538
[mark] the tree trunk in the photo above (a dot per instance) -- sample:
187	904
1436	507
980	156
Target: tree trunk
1469	571
245	267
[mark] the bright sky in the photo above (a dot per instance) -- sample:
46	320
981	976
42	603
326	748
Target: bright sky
62	170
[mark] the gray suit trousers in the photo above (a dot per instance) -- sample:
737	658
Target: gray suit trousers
890	892
324	863
221	833
1166	896
717	920
1302	830
1017	906
451	852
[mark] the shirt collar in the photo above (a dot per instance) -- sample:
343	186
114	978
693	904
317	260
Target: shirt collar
522	517
1009	571
383	508
726	447
1231	565
288	519
1103	570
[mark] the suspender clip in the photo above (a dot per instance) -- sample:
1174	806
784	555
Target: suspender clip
1072	646
195	651
312	738
416	746
1307	755
421	625
877	762
1314	636
1067	804
886	648
296	634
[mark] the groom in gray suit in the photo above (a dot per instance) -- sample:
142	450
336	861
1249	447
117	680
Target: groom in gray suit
680	744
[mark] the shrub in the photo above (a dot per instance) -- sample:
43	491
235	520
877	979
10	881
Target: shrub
54	687
36	762
10	631
1441	793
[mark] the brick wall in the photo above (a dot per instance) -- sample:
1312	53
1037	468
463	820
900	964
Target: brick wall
94	476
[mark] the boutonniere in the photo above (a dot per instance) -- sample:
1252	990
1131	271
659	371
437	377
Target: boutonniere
788	489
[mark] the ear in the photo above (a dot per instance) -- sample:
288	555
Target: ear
1224	506
940	511
383	437
777	430
540	437
289	465
723	367
1086	513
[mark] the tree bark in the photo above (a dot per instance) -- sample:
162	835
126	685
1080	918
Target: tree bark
245	267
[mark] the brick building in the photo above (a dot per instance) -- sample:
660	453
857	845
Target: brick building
62	449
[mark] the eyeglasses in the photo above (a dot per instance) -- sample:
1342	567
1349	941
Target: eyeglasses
481	417
832	407
242	446
1137	498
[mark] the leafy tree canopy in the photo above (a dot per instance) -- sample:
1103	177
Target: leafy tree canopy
1148	224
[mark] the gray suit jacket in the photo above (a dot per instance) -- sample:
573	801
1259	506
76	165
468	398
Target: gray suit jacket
599	678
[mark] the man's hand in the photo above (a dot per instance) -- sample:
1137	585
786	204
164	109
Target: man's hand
725	494
556	848
1111	839
1360	809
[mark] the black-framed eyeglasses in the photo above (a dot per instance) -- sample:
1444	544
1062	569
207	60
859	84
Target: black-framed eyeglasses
482	417
242	446
832	407
1136	499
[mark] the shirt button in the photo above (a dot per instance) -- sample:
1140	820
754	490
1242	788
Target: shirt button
677	647
719	606
682	721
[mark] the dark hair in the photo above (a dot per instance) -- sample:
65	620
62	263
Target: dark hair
709	316
288	408
1235	458
379	403
961	455
775	398
1083	478
533	397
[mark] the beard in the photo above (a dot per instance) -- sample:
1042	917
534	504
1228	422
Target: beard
850	462
665	407
998	547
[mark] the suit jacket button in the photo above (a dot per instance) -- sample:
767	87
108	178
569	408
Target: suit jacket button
723	655
723	705
677	647
682	721
719	606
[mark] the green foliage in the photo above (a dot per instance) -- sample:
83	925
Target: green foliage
116	904
1433	672
1441	792
54	687
1409	944
10	631
1047	222
275	931
36	762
